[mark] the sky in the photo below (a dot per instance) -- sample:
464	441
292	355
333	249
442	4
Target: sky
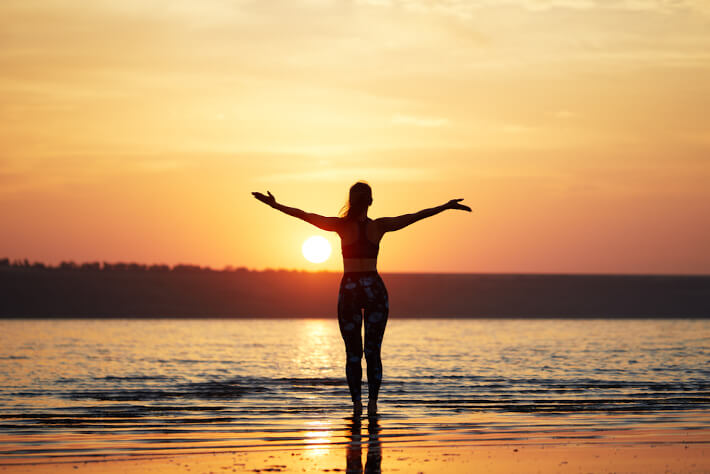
577	130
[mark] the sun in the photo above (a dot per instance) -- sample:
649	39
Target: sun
316	249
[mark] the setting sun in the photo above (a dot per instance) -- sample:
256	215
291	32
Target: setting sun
316	249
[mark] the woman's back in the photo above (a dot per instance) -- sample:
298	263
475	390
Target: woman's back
360	244
360	239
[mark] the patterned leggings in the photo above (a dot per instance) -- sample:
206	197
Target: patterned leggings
363	290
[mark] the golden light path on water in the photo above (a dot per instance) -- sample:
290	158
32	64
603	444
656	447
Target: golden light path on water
319	342
318	436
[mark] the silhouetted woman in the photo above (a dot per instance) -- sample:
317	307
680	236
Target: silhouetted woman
361	287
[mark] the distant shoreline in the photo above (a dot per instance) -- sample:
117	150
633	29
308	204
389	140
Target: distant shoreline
25	264
186	291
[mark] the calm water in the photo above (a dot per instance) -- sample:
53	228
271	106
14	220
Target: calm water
83	387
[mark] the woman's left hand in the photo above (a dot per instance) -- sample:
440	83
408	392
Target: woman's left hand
270	199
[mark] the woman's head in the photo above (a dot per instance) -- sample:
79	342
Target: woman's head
359	199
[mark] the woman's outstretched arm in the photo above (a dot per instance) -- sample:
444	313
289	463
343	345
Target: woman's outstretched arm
390	224
322	222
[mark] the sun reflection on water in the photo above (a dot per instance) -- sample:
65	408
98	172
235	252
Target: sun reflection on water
316	354
318	438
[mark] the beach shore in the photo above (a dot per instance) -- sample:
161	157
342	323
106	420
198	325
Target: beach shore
648	452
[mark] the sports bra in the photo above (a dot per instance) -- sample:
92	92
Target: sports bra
362	247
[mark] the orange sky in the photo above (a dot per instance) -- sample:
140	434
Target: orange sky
578	130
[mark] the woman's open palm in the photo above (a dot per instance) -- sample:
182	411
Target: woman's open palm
267	198
455	204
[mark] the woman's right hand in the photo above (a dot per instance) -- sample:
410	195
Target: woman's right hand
455	204
267	198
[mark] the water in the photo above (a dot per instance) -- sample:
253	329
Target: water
116	387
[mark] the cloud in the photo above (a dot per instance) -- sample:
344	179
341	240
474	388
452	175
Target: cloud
515	128
564	114
340	174
58	173
233	76
399	119
161	165
464	8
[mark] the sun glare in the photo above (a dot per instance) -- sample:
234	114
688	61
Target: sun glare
316	249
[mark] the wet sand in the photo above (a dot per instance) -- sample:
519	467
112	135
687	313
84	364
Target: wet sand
627	451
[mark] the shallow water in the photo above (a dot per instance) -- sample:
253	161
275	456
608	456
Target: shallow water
101	387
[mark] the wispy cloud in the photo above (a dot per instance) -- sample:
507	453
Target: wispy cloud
564	114
155	165
339	174
60	172
515	128
215	76
399	119
461	7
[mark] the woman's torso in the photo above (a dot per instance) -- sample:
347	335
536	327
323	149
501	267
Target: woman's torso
360	245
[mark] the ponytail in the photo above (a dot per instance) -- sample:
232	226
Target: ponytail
359	199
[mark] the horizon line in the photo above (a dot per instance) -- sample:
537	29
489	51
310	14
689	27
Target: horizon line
70	265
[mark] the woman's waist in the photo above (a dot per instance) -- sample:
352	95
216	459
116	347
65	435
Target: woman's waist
360	265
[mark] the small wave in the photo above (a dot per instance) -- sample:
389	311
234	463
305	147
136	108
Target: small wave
209	390
133	378
311	381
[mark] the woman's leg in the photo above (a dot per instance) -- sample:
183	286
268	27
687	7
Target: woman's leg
350	322
376	312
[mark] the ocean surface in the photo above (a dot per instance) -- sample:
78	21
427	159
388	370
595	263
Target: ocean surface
96	388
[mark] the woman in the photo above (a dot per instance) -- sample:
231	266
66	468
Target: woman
361	287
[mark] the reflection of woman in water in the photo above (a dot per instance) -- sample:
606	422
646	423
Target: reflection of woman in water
353	450
361	287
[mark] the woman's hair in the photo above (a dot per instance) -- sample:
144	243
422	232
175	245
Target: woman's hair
359	199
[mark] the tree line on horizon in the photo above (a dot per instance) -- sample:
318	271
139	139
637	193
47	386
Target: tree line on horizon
127	290
128	267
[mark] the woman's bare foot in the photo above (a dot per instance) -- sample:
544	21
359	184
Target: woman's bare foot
371	408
